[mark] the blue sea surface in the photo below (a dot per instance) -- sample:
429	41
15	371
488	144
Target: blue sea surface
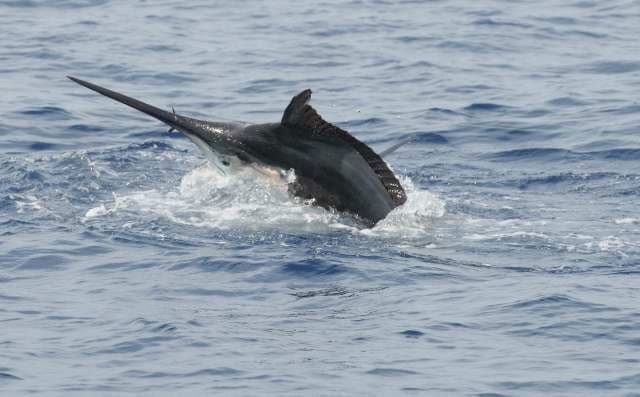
130	266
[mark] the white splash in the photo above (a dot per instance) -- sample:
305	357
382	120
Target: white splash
626	221
412	220
27	202
247	200
100	210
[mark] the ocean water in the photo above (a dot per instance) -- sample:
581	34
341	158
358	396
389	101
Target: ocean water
129	266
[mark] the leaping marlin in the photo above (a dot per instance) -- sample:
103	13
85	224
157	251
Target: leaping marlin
331	166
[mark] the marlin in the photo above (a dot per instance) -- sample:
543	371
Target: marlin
332	168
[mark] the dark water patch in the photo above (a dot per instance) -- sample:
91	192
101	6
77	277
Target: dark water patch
173	19
368	122
335	291
536	113
50	112
86	128
326	64
546	154
11	279
557	154
158	78
617	154
45	54
428	137
419	273
373	63
414	39
123	347
585	4
144	239
558	20
435	260
485	12
195	323
411	67
214	292
564	179
445	111
211	264
627	192
612	67
569	331
11	298
626	272
491	22
29	312
470	46
585	33
513	134
503	67
411	333
111	69
266	85
6	376
589	386
44	262
70	4
469	89
85	387
208	372
76	320
391	372
341	31
16	223
165	328
143	321
163	48
135	345
522	269
623	110
39	146
417	390
127	266
485	107
423	79
33	176
558	302
447	326
566	102
491	395
89	250
313	268
88	23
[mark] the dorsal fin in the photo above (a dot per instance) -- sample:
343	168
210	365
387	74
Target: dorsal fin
300	114
294	113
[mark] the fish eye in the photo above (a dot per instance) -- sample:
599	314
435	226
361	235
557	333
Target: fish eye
225	163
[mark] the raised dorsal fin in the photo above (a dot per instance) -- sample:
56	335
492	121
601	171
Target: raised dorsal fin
294	113
301	115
